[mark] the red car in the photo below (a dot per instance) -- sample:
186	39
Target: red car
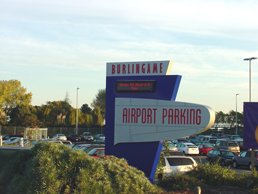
97	152
205	148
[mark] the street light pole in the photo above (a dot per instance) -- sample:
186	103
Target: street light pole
250	59
236	115
76	128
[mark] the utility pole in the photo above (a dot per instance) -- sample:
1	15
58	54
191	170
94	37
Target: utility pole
250	59
77	112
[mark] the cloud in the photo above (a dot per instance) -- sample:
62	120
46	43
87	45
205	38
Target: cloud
206	40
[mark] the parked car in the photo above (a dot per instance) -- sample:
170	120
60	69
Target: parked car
59	136
170	146
74	138
182	140
87	136
176	164
6	137
87	149
194	139
244	159
213	141
218	135
12	140
205	138
228	146
175	153
99	138
67	143
97	152
188	148
240	142
80	146
205	148
224	158
235	137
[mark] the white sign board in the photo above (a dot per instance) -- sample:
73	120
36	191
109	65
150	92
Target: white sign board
146	120
139	68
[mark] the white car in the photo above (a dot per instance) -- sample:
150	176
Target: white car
188	148
59	136
100	138
170	146
177	164
87	136
12	140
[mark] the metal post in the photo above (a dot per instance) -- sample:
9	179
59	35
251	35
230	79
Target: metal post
236	115
250	59
252	159
76	128
250	81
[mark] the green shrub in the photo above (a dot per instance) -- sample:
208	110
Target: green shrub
51	168
214	174
179	182
125	178
13	171
211	175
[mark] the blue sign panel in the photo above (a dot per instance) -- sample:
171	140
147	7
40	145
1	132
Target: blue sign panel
250	135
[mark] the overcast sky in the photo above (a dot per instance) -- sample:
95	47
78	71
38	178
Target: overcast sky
55	46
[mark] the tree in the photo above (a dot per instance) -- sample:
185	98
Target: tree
100	102
67	99
72	118
220	117
97	116
86	119
57	113
232	118
3	118
86	109
24	116
229	118
12	94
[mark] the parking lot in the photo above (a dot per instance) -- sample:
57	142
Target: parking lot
197	147
203	159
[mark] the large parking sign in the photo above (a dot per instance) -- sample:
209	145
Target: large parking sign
141	112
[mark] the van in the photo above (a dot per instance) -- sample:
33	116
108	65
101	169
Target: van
228	146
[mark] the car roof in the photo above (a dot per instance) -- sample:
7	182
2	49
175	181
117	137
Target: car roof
179	157
188	143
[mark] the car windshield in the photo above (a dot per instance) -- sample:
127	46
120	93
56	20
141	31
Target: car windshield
179	161
228	154
207	145
232	144
213	140
191	146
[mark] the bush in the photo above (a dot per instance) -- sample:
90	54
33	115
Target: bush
179	182
12	172
211	176
53	168
214	174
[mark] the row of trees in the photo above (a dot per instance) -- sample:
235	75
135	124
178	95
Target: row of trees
16	109
230	118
